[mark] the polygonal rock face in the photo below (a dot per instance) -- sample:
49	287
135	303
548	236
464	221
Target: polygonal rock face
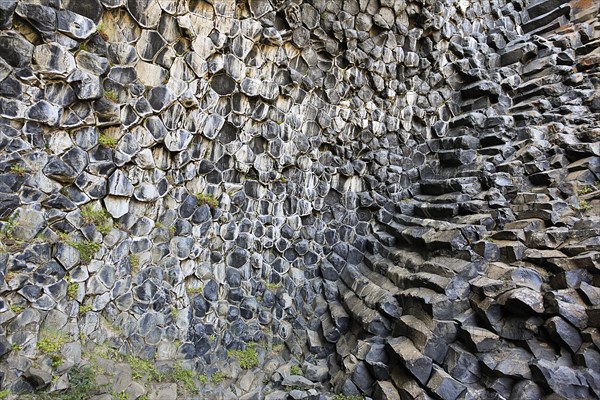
42	18
91	9
28	224
117	206
15	49
223	84
149	44
119	26
373	182
178	140
146	12
53	59
74	25
45	113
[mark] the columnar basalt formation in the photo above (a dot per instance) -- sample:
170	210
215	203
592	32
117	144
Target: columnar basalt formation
391	199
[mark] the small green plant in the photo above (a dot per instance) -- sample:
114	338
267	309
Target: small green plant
218	377
194	291
16	347
17	309
84	308
82	384
203	379
344	397
209	199
134	262
107	141
171	230
272	286
144	368
9	226
295	370
57	360
4	394
51	343
83	47
278	348
185	377
584	190
121	395
101	29
100	218
111	95
247	358
86	249
584	205
18	169
72	290
174	312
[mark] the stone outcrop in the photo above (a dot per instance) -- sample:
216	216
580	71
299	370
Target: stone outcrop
391	199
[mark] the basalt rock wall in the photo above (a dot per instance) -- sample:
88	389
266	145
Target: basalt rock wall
401	197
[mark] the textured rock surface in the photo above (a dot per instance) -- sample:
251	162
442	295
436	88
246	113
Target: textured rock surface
391	199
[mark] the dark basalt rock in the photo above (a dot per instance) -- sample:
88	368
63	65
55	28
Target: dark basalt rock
42	18
223	84
15	49
405	196
146	12
75	24
91	9
6	13
8	202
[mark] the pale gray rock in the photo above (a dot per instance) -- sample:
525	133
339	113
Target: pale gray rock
119	184
178	140
75	25
147	13
146	192
53	60
117	206
28	224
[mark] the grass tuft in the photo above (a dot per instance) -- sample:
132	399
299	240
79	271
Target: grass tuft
218	377
209	199
107	141
295	370
247	358
100	218
185	377
111	95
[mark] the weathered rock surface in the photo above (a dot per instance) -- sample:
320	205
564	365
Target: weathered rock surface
391	199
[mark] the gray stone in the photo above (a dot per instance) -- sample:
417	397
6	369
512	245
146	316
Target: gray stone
416	363
75	25
15	49
42	18
119	184
560	379
564	333
147	13
6	14
178	140
443	385
45	113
